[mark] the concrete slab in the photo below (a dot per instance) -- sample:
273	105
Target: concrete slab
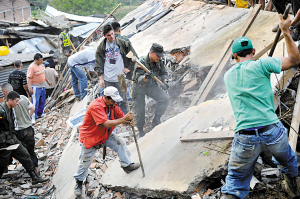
63	178
173	167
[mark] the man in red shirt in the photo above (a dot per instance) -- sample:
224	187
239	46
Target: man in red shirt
102	116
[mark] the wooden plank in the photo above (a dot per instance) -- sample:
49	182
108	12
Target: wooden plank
7	44
268	47
32	34
218	135
8	37
218	67
250	20
211	72
293	137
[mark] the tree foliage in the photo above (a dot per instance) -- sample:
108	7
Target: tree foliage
84	7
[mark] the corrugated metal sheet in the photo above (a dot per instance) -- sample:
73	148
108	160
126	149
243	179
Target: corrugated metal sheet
8	60
32	46
85	30
52	12
5	71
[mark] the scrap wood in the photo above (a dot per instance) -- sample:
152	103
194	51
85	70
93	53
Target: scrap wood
293	137
219	66
218	135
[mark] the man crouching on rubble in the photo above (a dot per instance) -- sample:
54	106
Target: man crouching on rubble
258	128
102	116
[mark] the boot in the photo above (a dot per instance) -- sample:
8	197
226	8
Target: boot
141	132
289	185
78	188
131	167
155	121
228	196
35	178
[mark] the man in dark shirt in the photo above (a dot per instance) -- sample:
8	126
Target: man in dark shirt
52	61
17	79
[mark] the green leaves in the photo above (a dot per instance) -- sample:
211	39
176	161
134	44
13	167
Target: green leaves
84	7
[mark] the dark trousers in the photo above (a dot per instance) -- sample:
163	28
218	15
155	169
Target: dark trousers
48	92
26	137
280	5
155	92
21	154
121	104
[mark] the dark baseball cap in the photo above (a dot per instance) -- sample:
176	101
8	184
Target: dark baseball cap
241	43
158	49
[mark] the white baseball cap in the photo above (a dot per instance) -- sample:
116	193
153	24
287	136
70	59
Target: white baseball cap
113	93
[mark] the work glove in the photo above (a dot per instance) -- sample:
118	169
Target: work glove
166	85
149	75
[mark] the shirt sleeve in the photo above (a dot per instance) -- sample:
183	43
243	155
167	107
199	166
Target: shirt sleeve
271	65
55	73
29	104
30	72
99	115
118	112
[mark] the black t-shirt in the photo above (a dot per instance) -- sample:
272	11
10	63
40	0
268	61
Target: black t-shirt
17	79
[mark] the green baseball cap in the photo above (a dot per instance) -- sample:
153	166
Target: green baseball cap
241	43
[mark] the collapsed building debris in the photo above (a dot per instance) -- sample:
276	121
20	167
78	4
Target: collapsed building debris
187	155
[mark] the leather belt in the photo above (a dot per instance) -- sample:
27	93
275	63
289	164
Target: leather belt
253	132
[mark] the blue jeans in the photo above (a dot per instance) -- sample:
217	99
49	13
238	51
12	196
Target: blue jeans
38	98
87	155
78	74
244	154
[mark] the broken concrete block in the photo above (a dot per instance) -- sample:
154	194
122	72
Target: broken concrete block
118	195
11	167
25	186
219	7
93	165
192	85
103	168
270	175
40	143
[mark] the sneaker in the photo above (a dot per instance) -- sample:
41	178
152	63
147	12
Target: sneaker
228	196
275	28
131	167
78	188
289	185
296	35
33	121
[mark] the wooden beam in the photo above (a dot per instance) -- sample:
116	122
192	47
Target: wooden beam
7	44
218	68
8	37
211	73
218	135
268	47
293	137
34	34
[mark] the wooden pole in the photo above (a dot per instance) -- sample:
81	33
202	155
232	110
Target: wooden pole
295	121
108	16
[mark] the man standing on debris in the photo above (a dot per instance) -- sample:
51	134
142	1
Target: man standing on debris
51	75
65	38
144	84
102	116
117	28
51	60
8	139
17	79
36	82
23	125
258	128
111	61
86	59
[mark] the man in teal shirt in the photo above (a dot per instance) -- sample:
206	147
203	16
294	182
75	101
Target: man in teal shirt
258	129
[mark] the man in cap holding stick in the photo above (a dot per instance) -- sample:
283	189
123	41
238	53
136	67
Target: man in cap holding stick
144	84
258	129
96	131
